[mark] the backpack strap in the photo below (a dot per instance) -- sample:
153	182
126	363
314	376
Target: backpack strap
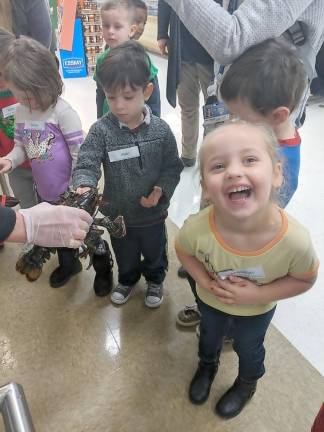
297	33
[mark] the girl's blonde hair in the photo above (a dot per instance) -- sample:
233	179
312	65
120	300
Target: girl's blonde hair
6	15
39	77
267	132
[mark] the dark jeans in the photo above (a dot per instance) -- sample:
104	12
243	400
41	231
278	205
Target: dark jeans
248	333
149	242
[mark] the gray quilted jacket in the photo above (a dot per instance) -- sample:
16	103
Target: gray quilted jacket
126	181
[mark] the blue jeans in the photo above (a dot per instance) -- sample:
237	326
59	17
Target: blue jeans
149	242
291	165
248	333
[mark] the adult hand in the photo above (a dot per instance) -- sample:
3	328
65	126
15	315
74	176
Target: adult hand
5	165
163	46
56	226
235	290
153	198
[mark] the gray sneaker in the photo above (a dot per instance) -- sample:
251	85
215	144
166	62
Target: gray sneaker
189	316
154	295
121	293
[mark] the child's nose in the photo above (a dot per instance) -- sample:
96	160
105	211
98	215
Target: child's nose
119	104
234	169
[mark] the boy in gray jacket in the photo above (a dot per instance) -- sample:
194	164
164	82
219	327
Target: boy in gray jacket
141	168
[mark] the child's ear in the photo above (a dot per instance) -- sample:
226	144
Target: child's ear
277	176
148	91
280	115
132	31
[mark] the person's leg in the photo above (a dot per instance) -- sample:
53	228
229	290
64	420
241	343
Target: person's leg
205	75
69	265
189	315
155	261
249	333
188	96
22	184
128	257
213	327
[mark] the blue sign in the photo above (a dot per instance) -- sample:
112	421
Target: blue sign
73	62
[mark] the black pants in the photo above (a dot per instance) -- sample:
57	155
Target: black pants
149	242
67	256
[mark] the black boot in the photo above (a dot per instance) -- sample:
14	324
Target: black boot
234	400
201	382
103	264
69	265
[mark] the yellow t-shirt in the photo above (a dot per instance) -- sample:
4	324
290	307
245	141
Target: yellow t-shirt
290	252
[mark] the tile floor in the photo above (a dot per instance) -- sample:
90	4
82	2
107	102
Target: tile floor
87	365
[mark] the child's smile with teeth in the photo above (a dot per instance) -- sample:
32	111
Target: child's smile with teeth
240	192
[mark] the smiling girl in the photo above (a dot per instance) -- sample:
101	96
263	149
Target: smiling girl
244	252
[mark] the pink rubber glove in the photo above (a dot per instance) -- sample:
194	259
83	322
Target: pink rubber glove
56	226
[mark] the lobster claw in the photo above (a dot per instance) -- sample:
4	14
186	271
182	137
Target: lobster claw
115	227
119	228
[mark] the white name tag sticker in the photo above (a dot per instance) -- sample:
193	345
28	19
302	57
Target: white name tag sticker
252	273
34	125
123	154
9	110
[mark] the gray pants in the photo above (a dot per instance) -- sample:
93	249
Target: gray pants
194	77
22	184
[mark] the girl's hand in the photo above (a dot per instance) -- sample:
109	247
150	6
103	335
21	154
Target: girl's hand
153	198
211	285
82	190
235	290
5	165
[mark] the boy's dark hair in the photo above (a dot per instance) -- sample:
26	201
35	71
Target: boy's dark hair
126	64
267	76
140	4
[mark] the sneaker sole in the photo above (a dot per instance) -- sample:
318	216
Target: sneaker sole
188	324
153	305
122	301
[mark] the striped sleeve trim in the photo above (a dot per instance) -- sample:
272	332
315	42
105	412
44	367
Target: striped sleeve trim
74	138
